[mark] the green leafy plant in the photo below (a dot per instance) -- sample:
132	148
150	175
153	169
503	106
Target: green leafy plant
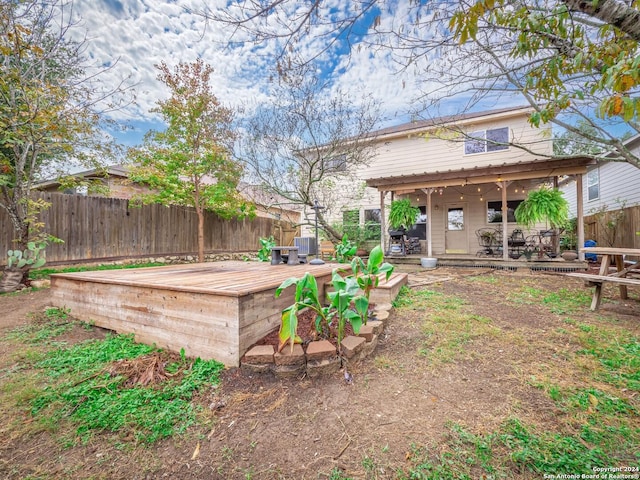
402	214
345	250
266	244
368	275
346	304
346	293
543	205
32	257
91	385
306	296
569	237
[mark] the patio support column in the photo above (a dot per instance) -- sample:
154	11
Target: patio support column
580	211
383	223
505	221
428	191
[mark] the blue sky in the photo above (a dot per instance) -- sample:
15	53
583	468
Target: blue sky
133	35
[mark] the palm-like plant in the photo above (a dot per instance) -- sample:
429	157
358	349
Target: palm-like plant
402	214
543	205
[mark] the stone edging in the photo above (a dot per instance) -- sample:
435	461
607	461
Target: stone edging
320	357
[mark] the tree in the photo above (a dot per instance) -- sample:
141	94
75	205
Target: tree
307	145
567	57
189	163
51	109
574	62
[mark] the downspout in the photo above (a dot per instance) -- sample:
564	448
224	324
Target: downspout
580	209
383	223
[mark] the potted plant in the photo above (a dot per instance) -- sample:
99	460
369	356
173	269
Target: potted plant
569	241
546	205
402	215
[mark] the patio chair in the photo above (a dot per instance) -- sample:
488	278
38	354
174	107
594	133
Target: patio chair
517	243
490	241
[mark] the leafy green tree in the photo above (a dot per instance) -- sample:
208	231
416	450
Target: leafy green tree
189	163
565	56
51	109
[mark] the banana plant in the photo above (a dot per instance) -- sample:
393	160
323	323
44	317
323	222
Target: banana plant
306	296
345	293
368	276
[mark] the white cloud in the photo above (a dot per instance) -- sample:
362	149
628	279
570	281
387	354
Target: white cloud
135	35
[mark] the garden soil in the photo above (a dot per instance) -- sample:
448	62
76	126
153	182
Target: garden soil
261	427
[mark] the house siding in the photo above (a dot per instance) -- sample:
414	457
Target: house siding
418	153
619	184
428	153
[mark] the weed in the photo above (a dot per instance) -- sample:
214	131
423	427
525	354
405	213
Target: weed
81	388
618	355
227	453
514	448
337	474
53	323
566	301
490	279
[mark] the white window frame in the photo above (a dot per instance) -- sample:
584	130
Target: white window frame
479	139
593	174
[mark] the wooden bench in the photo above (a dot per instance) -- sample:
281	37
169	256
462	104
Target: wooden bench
594	280
292	255
326	248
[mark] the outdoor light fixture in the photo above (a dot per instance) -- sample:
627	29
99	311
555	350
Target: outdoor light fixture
317	260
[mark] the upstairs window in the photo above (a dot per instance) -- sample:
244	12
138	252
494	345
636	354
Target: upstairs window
336	164
484	141
593	184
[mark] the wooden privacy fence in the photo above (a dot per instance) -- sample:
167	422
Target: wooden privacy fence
599	227
96	228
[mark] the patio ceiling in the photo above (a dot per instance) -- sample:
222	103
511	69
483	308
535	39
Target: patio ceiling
541	169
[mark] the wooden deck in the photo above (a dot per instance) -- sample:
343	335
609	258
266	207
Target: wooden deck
212	310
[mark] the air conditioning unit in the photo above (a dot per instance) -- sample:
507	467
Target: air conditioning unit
306	245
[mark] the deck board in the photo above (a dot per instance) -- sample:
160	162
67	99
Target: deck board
211	310
231	278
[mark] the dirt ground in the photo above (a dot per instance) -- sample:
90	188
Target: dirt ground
261	427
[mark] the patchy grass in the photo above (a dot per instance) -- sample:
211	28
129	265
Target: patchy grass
42	273
447	326
53	323
562	302
111	385
595	386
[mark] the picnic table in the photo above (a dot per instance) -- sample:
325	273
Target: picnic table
610	255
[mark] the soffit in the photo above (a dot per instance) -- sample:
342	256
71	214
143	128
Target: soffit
493	173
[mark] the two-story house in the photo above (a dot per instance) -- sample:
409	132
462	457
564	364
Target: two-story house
465	172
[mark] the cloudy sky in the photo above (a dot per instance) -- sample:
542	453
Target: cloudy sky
132	36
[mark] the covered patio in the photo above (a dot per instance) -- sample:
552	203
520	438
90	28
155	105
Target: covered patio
458	203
